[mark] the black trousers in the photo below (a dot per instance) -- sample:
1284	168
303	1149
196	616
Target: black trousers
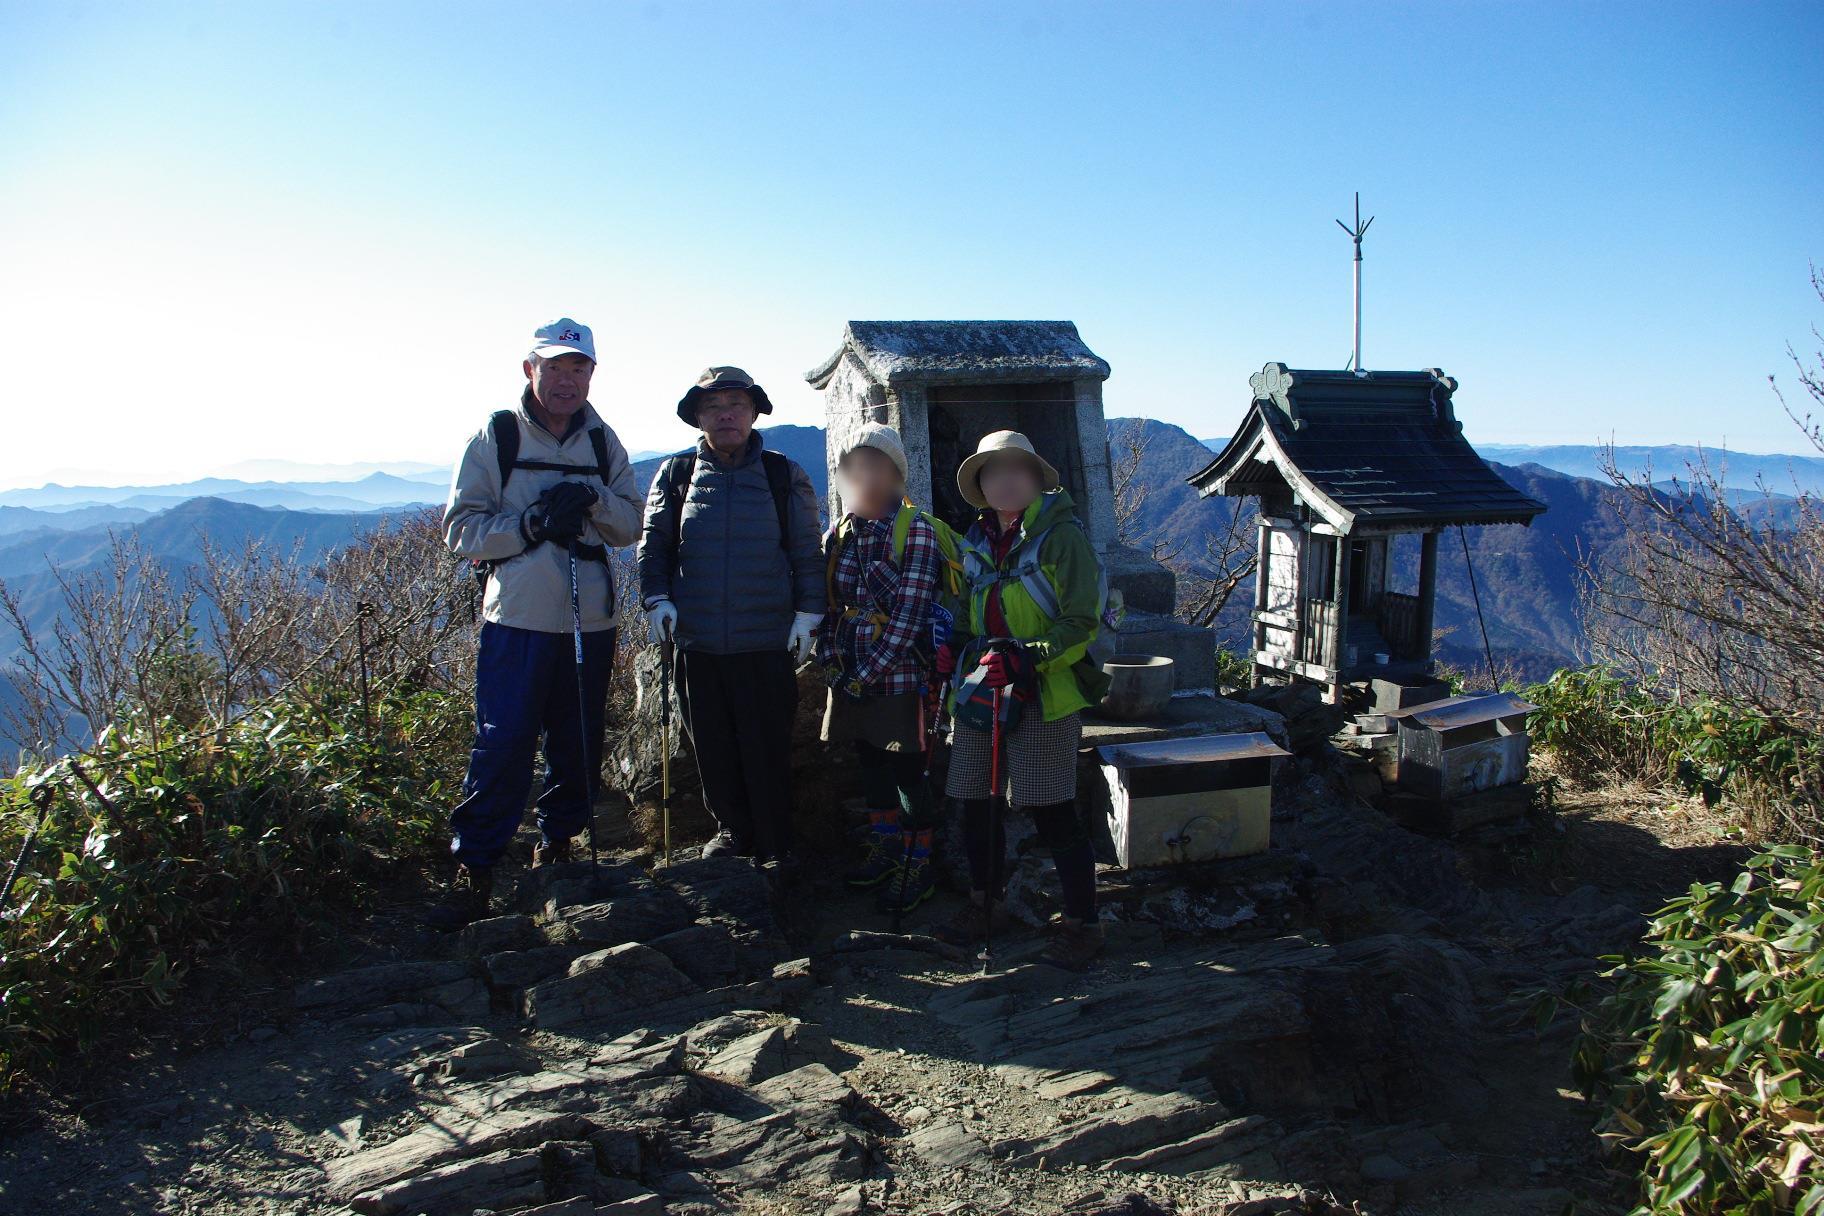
739	710
1060	828
890	779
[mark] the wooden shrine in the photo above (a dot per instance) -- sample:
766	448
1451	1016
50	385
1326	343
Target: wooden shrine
1344	464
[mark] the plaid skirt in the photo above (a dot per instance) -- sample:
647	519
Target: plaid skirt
1038	769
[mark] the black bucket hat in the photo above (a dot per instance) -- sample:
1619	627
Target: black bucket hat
714	378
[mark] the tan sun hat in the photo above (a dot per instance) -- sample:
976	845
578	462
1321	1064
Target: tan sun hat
969	477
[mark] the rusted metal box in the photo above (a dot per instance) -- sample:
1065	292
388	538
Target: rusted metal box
1197	799
1461	745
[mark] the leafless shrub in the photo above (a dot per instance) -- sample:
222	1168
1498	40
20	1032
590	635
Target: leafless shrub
1714	592
1207	579
187	648
1476	677
1129	451
1715	595
1230	556
118	645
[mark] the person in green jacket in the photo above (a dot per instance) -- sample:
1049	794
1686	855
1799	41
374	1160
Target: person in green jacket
1035	592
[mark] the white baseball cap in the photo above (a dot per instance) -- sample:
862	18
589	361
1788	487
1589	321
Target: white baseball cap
563	337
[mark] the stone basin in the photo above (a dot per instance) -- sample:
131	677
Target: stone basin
1140	685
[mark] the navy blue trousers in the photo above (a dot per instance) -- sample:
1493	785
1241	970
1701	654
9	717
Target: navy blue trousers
525	692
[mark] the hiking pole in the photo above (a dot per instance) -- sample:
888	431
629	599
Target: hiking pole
665	661
996	861
582	698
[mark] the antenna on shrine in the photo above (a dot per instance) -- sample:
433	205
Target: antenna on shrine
1356	234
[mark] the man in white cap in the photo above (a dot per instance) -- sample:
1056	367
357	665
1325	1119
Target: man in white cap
540	492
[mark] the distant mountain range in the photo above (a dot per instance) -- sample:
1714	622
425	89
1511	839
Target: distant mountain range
66	508
1525	575
372	492
1782	475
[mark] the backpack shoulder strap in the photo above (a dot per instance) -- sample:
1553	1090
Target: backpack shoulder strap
902	528
779	481
1032	575
677	473
840	532
598	439
504	427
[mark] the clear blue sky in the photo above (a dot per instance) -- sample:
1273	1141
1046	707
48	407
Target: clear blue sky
323	231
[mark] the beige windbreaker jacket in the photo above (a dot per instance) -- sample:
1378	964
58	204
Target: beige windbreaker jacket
530	588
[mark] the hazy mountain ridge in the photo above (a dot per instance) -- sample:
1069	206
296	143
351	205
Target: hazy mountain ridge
1526	575
1783	475
32	539
380	489
18	522
366	493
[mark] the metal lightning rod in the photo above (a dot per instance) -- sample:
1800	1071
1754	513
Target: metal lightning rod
1356	234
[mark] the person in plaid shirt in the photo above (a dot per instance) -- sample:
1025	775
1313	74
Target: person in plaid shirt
875	649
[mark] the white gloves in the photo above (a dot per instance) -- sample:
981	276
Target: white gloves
661	620
802	641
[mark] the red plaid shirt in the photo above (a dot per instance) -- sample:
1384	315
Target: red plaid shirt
882	657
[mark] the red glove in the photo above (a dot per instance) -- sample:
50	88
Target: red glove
997	670
945	663
1009	667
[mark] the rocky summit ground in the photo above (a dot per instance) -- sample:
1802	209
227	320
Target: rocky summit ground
1337	1025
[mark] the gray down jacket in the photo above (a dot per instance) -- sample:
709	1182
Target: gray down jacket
734	585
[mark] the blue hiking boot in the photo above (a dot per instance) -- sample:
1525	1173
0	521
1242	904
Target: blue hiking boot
886	845
912	882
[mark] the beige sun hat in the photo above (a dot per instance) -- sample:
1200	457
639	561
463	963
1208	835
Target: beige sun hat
969	477
883	439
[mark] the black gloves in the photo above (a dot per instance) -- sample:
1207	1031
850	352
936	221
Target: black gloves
559	513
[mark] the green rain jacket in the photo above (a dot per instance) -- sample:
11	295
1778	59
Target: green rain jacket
1053	557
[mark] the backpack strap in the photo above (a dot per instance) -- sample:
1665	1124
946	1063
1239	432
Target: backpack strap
839	536
504	427
982	574
680	468
598	439
902	527
779	481
678	471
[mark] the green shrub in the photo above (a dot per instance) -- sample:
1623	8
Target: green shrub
1594	717
1706	1052
1232	669
236	842
1608	726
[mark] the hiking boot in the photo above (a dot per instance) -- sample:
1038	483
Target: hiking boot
551	853
971	924
1073	945
467	901
722	844
886	846
909	885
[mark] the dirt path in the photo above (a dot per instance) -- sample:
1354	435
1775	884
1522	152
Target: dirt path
1331	1023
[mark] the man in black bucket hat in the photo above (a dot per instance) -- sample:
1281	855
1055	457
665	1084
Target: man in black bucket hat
731	567
718	379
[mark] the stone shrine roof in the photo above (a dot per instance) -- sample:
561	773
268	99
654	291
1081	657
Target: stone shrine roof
899	352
